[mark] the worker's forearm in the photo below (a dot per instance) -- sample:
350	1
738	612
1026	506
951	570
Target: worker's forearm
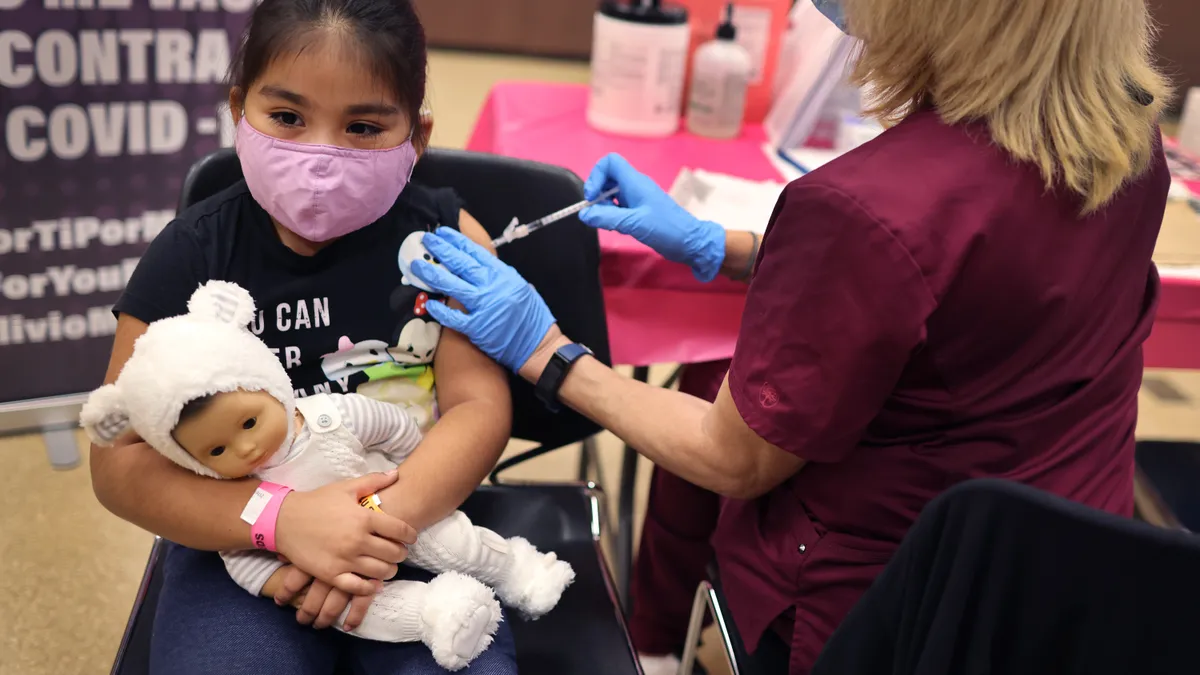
739	255
664	425
145	488
452	460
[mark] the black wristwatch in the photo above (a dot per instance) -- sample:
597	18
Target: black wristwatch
556	371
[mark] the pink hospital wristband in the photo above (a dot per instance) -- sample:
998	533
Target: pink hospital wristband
262	511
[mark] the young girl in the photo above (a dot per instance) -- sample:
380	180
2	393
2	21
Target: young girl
211	397
326	95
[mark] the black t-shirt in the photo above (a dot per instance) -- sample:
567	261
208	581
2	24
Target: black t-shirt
346	319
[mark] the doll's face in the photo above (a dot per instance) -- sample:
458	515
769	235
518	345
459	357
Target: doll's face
235	432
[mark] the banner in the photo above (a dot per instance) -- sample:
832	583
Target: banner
104	105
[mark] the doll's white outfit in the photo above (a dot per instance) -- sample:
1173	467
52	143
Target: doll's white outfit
348	435
208	351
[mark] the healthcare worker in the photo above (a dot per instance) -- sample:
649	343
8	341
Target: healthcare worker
965	296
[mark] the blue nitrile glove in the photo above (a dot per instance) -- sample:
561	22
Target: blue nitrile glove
506	318
650	215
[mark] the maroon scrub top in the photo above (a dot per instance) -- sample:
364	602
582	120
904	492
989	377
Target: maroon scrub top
925	311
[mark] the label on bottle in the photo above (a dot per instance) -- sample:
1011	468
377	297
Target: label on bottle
717	103
733	100
754	34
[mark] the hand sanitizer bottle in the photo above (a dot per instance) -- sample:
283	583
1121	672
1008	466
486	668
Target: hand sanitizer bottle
720	76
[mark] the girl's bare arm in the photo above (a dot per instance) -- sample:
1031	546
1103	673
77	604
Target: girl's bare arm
476	417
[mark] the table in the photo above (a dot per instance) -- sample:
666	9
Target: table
1175	341
659	313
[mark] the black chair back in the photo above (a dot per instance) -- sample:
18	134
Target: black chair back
1003	578
562	261
208	176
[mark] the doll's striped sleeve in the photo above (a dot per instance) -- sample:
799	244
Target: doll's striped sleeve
380	426
251	568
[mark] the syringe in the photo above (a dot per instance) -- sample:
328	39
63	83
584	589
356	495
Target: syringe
514	230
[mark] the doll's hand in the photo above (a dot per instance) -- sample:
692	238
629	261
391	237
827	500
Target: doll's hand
320	604
325	531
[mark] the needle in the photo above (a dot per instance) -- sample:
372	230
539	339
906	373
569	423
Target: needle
515	231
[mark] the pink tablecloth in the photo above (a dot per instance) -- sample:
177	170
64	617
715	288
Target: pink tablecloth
1175	342
658	313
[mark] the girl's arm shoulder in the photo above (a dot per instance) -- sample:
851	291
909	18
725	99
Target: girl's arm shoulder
466	442
462	371
474	230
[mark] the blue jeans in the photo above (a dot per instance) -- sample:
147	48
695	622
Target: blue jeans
205	623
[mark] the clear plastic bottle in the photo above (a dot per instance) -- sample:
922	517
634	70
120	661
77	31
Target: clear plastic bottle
760	27
721	73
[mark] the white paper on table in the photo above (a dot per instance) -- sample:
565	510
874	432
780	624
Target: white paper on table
735	203
1179	191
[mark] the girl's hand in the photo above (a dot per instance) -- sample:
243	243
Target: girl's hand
319	604
505	317
327	533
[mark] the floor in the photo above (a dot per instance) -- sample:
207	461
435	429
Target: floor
69	569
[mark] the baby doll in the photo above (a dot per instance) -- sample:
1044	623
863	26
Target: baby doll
213	398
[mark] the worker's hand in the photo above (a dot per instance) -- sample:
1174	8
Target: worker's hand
505	317
649	215
326	532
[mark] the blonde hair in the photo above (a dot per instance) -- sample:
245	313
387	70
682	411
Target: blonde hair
1058	82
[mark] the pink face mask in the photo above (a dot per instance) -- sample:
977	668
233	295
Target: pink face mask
322	192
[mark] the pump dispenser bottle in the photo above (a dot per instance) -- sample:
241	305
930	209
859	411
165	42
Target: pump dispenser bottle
721	72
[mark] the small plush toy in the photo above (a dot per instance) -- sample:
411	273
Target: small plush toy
213	398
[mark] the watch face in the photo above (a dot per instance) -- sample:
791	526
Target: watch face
573	351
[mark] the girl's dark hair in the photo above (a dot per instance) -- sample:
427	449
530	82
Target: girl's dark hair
387	31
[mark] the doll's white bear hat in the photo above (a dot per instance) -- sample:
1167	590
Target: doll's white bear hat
207	351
